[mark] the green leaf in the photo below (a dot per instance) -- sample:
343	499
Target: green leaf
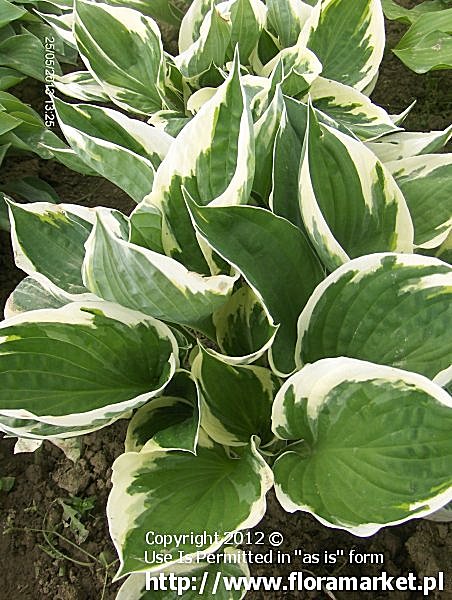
219	169
85	362
151	282
49	239
120	149
426	183
24	53
236	400
395	12
230	562
4	222
209	48
349	41
381	297
9	78
376	446
349	203
170	422
283	276
351	108
6	483
9	12
32	189
427	44
244	328
122	48
210	493
409	143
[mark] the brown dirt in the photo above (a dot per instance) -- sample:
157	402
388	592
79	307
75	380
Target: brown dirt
28	572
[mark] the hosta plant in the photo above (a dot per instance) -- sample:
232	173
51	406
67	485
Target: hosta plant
273	310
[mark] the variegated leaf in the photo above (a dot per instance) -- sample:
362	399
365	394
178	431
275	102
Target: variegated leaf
349	40
247	20
150	488
36	292
426	183
213	159
300	66
404	144
244	328
376	446
49	239
349	202
381	297
351	108
82	86
265	130
191	23
153	283
124	151
283	276
122	49
209	48
236	400
233	565
82	363
287	18
170	422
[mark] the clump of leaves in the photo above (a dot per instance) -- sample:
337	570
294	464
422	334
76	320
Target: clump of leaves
273	309
427	45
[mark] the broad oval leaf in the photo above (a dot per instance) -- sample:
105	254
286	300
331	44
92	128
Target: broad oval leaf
391	309
376	446
122	48
84	362
211	493
236	400
350	204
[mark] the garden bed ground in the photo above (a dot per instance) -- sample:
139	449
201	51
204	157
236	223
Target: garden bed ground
32	570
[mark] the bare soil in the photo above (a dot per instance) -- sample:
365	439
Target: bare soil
31	566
